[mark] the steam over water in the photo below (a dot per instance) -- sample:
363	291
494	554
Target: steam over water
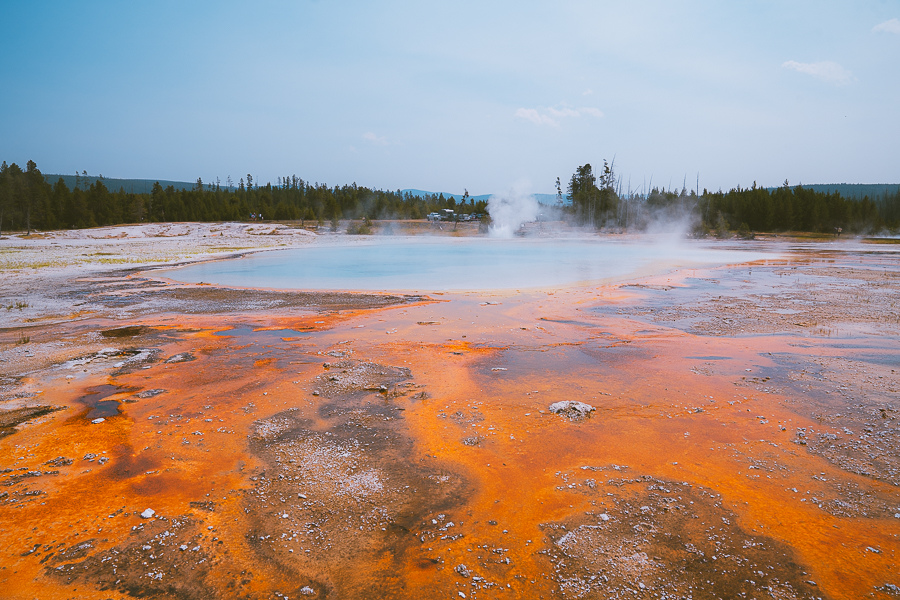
436	264
508	211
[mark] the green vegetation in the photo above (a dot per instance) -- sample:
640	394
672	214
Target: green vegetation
600	202
852	190
27	201
596	205
363	228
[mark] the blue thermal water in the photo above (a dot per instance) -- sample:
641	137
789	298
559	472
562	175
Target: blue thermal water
437	264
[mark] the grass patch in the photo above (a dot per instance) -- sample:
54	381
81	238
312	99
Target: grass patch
118	261
881	240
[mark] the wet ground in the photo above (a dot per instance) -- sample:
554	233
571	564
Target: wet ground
744	440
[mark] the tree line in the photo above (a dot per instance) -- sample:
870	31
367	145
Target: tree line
598	201
29	202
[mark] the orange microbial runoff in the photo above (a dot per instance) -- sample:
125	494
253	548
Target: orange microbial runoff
739	441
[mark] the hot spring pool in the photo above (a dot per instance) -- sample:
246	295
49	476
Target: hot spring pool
444	264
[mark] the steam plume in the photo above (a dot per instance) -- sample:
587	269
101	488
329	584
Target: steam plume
510	210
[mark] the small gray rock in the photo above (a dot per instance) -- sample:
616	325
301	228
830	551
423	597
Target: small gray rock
179	358
572	409
148	513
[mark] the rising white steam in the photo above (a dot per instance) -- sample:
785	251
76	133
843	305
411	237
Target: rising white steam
510	210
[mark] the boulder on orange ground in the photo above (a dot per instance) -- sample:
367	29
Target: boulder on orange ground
572	409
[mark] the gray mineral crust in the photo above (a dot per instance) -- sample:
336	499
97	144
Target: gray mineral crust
572	409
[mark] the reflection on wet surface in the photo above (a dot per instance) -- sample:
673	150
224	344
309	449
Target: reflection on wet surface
411	451
95	399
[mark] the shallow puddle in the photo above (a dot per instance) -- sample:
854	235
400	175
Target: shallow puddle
96	400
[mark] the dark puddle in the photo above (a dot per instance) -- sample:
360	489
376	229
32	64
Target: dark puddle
264	345
709	357
125	332
248	334
574	322
99	406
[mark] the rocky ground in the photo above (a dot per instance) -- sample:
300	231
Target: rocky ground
730	433
844	313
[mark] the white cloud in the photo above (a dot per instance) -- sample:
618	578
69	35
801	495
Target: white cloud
892	26
371	137
552	115
827	71
535	117
563	112
587	92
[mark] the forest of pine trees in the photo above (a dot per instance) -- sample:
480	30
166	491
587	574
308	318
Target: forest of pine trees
598	201
28	202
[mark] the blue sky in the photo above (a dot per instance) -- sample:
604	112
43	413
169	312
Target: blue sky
447	96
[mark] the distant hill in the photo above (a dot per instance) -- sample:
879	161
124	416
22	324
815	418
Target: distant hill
541	198
136	186
447	195
144	186
854	190
548	198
